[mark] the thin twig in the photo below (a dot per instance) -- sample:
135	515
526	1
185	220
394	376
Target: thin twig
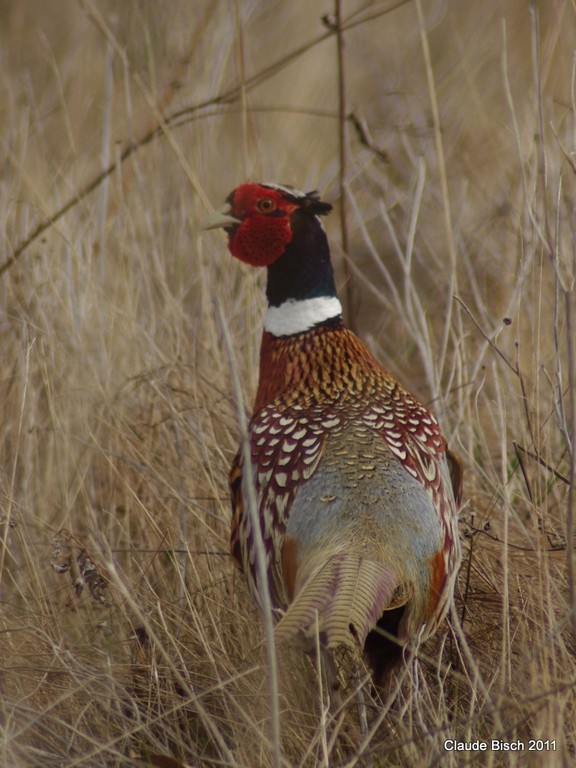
336	25
241	64
524	473
261	557
365	139
542	463
164	551
486	337
446	207
571	501
468	577
542	169
472	531
514	367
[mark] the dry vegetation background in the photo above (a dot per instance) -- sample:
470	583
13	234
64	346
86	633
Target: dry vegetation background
119	420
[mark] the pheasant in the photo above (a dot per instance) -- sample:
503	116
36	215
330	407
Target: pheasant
357	493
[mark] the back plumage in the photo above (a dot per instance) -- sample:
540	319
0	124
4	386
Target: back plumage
356	491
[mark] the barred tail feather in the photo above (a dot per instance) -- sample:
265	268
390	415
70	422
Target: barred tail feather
344	598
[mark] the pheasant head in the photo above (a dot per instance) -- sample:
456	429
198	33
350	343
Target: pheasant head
279	227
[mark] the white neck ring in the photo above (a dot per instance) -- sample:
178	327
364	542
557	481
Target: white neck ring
298	316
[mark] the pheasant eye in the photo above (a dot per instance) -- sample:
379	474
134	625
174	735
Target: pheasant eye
266	205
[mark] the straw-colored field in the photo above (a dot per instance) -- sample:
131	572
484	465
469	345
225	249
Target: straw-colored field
119	417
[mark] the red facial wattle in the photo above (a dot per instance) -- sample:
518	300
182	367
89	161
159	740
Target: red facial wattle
265	228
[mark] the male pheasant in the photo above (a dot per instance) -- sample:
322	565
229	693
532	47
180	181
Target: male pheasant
356	491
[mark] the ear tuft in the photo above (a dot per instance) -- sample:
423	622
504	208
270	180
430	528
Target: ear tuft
314	205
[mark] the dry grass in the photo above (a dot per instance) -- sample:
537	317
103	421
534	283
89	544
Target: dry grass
118	417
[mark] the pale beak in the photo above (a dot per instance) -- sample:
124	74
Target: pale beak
221	218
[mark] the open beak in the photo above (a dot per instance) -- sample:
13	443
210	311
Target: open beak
221	218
